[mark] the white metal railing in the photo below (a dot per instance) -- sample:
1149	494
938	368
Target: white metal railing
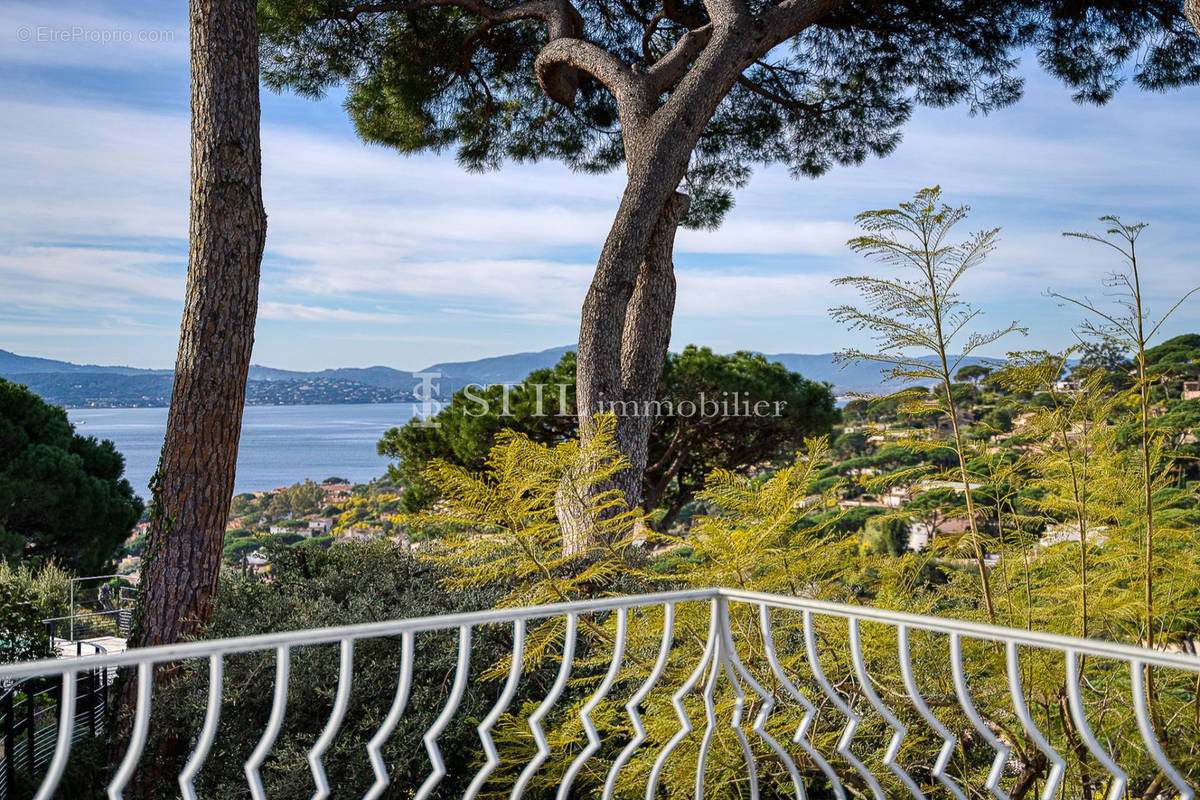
805	699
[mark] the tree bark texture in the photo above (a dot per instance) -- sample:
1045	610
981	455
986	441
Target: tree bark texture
644	343
1191	10
227	232
642	351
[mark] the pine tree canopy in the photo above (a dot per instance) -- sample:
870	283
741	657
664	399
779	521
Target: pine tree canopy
820	83
62	495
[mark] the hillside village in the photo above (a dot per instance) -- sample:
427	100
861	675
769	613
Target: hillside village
879	464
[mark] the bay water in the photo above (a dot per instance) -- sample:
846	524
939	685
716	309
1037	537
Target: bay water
280	445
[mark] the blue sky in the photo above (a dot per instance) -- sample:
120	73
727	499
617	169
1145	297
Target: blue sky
375	258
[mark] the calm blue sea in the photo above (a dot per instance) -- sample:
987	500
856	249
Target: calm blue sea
280	445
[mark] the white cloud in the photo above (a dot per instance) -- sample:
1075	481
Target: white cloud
737	296
548	317
493	285
297	312
66	277
744	234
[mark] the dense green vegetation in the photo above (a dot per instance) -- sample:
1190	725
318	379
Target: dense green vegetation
62	495
28	596
723	392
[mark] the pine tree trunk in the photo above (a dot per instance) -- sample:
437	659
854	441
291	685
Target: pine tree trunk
644	344
1191	10
626	320
194	484
227	232
624	333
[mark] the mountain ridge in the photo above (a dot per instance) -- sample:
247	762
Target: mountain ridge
82	385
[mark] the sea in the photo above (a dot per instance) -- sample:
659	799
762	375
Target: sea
280	445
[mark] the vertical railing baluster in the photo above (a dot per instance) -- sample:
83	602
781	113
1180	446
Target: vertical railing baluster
1141	710
399	703
341	701
212	717
914	693
62	748
685	722
852	719
1119	780
283	664
141	727
10	749
585	713
710	712
1054	777
484	728
800	737
457	690
631	707
535	719
104	694
864	683
734	666
93	703
968	706
30	726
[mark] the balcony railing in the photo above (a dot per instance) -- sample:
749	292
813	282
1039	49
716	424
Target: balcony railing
90	625
717	693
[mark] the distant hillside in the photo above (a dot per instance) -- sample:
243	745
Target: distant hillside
501	369
13	364
821	367
64	383
383	377
863	378
116	390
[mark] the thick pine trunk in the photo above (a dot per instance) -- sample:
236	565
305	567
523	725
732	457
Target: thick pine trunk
644	344
624	332
227	232
194	484
626	320
625	324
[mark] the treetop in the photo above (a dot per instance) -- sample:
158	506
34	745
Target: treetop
817	84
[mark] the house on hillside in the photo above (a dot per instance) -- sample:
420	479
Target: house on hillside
897	497
336	492
362	533
1023	419
1069	532
922	534
1191	390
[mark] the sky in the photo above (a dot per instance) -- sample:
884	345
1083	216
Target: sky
377	258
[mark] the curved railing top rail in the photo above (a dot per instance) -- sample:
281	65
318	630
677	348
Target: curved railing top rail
333	635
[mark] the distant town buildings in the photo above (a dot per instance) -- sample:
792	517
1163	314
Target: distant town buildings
336	492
